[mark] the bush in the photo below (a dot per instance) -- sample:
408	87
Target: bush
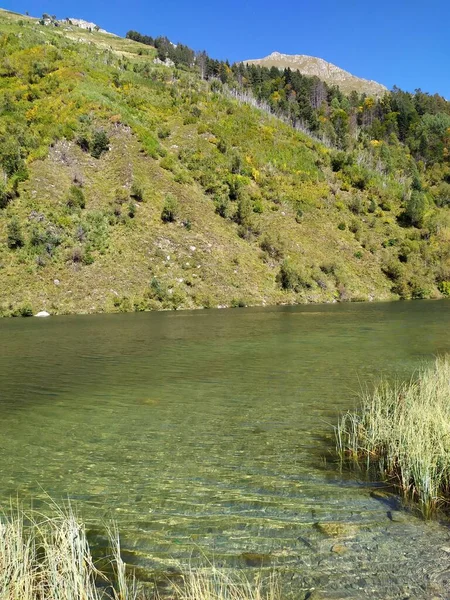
244	210
169	212
292	278
5	196
132	210
222	205
273	246
163	133
158	290
99	143
25	310
76	197
444	288
416	208
15	238
339	160
83	142
137	193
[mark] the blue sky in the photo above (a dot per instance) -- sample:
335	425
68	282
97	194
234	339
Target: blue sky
402	42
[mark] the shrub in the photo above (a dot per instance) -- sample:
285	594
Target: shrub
339	160
121	196
131	210
25	310
222	205
83	142
158	290
415	208
76	197
258	207
15	238
244	210
273	246
99	143
163	132
169	212
393	270
292	278
137	193
444	288
5	195
238	303
76	255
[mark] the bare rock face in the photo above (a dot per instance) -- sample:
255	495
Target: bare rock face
313	66
82	24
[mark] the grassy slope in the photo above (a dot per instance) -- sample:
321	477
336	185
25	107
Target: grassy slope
105	261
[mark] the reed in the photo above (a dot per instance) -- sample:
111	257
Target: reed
50	558
212	583
403	430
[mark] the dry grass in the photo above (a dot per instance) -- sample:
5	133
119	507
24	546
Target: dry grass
212	583
50	558
403	429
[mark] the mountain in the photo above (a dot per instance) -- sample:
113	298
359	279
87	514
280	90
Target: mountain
331	74
130	185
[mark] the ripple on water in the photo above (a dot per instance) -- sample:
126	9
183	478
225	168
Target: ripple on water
208	435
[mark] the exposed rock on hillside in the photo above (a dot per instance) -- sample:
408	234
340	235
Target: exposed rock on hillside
331	74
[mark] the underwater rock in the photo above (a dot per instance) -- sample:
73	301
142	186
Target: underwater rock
339	549
256	559
333	529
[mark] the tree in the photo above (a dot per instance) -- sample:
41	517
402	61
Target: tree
416	208
15	238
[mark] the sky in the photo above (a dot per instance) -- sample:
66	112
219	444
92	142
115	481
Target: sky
396	42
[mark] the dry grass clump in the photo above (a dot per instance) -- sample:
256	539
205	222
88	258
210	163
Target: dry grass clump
403	429
50	559
212	583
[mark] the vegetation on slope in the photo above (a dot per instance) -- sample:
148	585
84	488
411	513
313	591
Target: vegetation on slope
402	430
129	185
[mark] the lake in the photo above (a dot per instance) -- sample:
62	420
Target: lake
208	435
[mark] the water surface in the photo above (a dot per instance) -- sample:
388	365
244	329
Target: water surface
209	434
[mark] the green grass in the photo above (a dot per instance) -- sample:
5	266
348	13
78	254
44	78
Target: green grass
403	431
239	177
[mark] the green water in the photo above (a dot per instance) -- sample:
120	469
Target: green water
207	434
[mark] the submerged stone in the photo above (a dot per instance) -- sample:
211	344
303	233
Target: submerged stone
333	529
255	559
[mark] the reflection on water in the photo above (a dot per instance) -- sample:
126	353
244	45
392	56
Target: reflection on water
207	433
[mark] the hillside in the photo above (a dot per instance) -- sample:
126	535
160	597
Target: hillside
325	71
130	185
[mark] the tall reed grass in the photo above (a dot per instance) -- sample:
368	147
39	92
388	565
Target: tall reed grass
212	583
49	558
45	558
403	430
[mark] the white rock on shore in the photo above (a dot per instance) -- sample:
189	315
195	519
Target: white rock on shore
42	313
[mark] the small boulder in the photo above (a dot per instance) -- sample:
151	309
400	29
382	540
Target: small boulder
42	313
